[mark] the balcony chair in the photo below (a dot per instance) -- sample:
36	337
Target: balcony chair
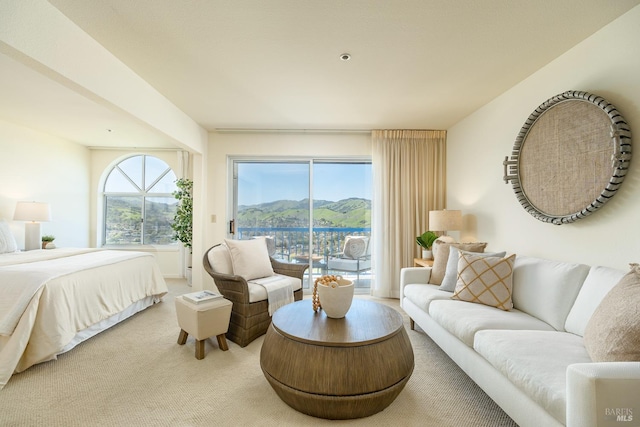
355	256
249	315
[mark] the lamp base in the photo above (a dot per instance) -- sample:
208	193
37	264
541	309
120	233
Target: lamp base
32	236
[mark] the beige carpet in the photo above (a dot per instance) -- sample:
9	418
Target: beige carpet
135	374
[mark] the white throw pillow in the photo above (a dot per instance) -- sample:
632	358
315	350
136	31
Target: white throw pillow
451	273
7	241
220	259
355	246
250	258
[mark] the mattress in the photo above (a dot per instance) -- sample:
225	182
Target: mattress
51	300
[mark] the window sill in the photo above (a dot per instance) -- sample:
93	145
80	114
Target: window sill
144	248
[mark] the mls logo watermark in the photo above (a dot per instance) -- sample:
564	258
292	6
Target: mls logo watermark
619	415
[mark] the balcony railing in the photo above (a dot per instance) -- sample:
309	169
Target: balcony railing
292	244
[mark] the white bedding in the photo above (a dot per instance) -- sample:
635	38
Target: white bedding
48	297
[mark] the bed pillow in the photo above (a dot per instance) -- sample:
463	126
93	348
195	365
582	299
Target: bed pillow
7	241
441	251
250	258
613	332
485	280
451	273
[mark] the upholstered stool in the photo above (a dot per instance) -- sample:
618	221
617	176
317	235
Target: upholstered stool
202	321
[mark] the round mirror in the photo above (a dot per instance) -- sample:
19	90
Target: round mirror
569	158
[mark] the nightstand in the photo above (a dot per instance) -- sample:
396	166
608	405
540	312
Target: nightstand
419	262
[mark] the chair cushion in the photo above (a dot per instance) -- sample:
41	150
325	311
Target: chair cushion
250	258
220	259
257	292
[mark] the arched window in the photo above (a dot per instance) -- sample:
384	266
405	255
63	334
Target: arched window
138	202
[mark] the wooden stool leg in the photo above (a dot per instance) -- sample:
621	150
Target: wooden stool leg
199	349
412	324
182	338
222	342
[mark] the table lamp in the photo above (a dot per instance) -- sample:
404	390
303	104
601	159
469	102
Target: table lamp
34	213
445	221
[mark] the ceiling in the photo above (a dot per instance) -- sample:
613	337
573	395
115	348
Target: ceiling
251	64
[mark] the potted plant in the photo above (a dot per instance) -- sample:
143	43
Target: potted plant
425	241
182	224
47	240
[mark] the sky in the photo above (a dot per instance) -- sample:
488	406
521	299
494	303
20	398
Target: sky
267	182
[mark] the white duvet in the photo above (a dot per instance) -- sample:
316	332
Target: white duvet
47	297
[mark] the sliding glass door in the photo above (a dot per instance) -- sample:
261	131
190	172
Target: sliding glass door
308	209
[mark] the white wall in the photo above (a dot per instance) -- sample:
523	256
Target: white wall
38	167
606	64
267	144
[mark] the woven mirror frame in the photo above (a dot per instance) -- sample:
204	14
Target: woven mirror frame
569	158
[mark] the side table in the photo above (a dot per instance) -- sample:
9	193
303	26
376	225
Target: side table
203	321
419	262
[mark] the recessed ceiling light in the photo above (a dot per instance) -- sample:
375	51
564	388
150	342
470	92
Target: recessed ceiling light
345	56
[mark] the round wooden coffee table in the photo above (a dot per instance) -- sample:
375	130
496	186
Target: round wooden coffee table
337	368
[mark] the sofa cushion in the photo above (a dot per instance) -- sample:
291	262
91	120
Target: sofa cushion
535	361
613	332
464	319
485	280
250	258
422	295
441	256
451	273
597	284
547	289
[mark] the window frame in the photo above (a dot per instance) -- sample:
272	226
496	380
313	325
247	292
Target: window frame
141	195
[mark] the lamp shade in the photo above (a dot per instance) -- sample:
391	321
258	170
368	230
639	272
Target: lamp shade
445	220
32	211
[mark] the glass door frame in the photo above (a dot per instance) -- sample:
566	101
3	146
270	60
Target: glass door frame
232	193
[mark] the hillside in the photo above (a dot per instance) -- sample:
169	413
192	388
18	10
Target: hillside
347	213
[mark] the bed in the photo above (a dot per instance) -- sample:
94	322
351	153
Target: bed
52	300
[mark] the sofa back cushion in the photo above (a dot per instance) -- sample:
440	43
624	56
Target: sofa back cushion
220	259
547	289
597	284
441	256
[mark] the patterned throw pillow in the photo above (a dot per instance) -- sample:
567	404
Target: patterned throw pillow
485	280
441	251
451	274
613	332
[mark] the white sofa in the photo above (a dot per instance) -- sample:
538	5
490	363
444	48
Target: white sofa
531	360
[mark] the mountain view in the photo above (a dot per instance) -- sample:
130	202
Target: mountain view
347	213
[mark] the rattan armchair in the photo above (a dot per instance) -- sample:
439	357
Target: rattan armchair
249	320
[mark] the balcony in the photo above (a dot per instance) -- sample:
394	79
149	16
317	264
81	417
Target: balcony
292	244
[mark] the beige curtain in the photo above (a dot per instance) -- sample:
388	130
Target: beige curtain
409	181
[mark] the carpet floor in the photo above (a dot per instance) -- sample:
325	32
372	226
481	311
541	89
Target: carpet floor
135	374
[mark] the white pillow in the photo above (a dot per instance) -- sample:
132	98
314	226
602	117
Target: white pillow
250	258
7	241
220	259
355	247
451	274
